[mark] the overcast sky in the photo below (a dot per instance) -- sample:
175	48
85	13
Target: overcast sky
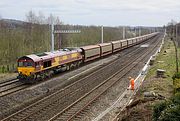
97	12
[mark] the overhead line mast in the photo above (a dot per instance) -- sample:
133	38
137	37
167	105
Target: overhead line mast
60	32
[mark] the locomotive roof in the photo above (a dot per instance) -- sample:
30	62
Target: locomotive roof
34	57
49	55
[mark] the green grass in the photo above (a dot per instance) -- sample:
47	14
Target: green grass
165	60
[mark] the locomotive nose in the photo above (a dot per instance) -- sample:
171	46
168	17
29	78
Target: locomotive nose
25	71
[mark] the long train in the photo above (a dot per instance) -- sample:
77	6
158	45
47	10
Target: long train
39	66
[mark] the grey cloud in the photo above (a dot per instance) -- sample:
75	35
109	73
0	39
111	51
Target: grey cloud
96	11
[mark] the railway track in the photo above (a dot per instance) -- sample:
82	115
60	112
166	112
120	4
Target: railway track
72	111
10	86
66	98
7	82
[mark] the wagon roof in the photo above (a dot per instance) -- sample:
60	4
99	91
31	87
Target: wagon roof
123	40
104	44
136	37
90	47
118	41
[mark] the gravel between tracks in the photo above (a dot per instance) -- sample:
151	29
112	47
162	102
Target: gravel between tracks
7	76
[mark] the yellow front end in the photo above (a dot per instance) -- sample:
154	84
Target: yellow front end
27	71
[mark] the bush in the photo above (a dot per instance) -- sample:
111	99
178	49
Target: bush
176	76
176	99
168	110
171	114
176	82
158	108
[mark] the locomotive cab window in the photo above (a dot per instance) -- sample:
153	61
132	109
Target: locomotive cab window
20	64
47	64
25	64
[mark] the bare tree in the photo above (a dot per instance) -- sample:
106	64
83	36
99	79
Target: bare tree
41	19
31	17
54	19
51	19
58	21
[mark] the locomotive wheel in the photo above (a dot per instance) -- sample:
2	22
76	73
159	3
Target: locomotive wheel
71	66
67	67
42	75
50	74
78	63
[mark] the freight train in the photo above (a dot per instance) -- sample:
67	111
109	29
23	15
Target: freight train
40	66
